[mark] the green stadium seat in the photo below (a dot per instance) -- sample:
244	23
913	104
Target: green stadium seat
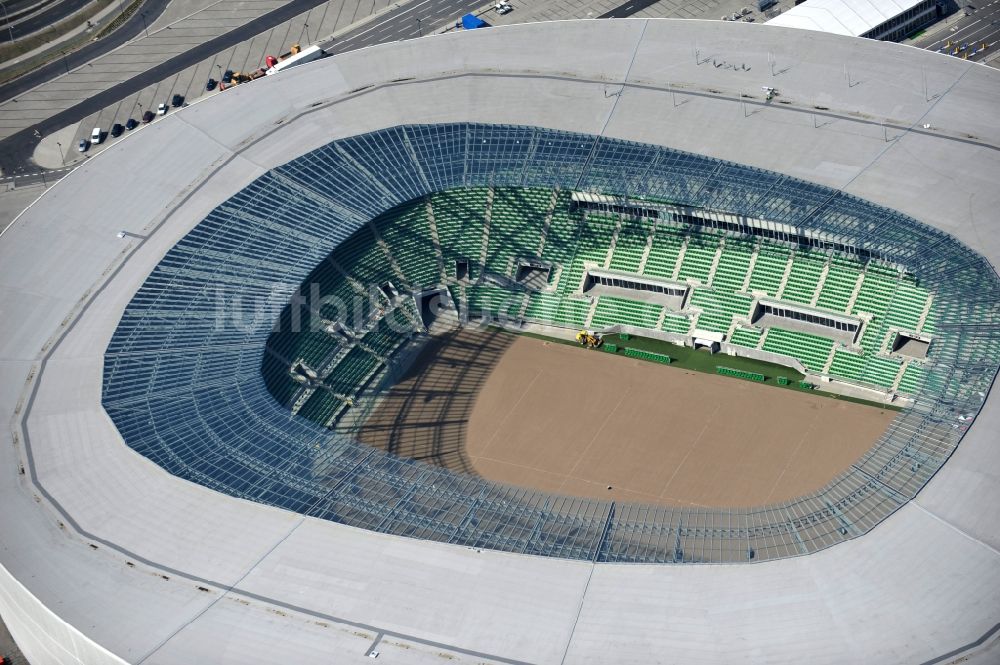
494	301
612	310
769	269
557	309
676	323
811	350
740	374
648	355
912	379
839	284
630	246
516	222
459	215
734	262
803	279
574	239
699	256
719	308
664	250
406	231
747	337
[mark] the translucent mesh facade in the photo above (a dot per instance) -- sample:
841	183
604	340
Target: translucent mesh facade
183	382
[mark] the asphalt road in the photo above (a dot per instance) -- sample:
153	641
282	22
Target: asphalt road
16	150
132	28
628	8
981	26
53	14
418	18
401	23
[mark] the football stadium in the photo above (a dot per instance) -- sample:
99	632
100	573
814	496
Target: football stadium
584	341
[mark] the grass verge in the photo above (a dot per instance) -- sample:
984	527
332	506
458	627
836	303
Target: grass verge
53	32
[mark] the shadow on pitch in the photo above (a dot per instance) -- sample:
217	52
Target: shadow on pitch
425	415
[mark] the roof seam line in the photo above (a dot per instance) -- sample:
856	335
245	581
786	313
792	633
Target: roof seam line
225	592
895	140
955	528
628	70
579	611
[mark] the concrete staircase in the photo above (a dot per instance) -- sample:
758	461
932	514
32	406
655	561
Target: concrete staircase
384	246
487	217
590	313
556	276
548	221
763	337
645	253
680	259
355	284
715	261
819	284
614	243
784	277
750	267
854	294
436	240
367	349
661	318
899	374
924	314
829	360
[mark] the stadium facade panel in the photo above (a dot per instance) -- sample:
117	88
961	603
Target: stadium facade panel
282	586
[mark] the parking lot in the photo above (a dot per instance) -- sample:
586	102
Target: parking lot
554	10
173	34
973	33
187	23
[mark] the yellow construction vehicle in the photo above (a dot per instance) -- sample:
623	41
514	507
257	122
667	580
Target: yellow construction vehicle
589	339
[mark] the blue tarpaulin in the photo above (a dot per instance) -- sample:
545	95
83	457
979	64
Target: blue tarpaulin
470	22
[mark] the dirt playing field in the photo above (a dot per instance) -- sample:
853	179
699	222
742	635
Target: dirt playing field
561	419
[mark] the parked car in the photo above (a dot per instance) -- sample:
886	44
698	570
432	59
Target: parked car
131	124
211	84
148	116
96	135
228	76
161	109
82	145
117	129
177	101
503	7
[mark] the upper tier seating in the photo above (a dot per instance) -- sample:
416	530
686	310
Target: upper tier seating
573	240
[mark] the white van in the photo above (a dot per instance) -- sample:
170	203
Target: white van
95	136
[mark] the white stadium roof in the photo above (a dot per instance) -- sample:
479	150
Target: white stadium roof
106	558
842	17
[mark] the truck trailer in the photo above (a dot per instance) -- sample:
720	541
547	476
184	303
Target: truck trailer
300	58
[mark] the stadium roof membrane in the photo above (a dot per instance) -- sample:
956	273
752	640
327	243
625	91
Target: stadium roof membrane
147	567
842	17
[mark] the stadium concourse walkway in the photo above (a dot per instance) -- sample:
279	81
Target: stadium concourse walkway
491	231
